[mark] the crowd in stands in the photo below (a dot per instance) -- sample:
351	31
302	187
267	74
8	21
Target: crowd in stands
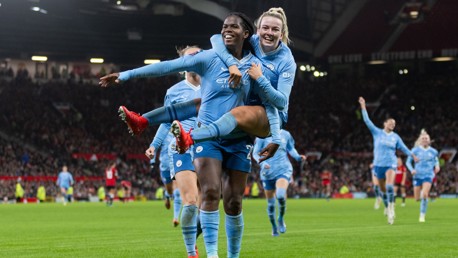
43	125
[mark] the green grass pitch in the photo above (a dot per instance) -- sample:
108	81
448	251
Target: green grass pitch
315	228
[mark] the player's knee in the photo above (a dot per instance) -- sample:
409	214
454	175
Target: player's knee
233	206
280	193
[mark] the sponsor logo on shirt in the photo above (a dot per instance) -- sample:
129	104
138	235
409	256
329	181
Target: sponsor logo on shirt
286	75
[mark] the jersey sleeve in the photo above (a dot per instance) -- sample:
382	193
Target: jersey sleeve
258	146
409	162
291	149
268	93
194	63
161	134
221	50
374	130
400	145
274	123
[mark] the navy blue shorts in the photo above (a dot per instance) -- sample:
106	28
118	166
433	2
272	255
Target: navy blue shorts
270	184
420	181
181	162
380	172
235	154
165	177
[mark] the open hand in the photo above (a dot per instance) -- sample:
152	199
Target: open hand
109	79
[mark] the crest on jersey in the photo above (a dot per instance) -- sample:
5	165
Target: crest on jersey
179	163
199	149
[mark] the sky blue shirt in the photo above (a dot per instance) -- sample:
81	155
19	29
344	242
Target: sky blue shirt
278	73
385	144
279	163
217	97
428	160
65	179
180	92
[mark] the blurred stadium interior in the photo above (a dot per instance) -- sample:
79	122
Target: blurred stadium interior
399	55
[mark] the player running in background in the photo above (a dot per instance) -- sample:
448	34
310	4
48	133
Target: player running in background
386	142
270	45
400	181
326	178
64	181
222	156
423	171
276	174
180	165
111	176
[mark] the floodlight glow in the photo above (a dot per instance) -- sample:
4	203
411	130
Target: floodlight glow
302	68
40	58
316	73
96	60
443	58
152	61
376	62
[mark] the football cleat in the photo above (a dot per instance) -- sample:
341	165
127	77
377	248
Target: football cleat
136	124
377	203
422	218
281	226
183	138
275	233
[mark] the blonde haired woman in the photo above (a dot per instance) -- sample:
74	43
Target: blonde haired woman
423	171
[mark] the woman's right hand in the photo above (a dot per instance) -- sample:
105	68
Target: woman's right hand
235	76
150	152
106	80
362	102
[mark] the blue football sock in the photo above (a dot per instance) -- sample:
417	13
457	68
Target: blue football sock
281	198
221	127
385	199
180	111
199	227
176	203
234	232
271	212
377	191
209	221
189	228
390	193
423	205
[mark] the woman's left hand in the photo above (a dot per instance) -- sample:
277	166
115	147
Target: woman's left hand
255	71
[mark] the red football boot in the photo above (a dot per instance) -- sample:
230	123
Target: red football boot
135	122
183	138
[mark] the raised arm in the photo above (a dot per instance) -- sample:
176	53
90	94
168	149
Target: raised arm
194	63
374	130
